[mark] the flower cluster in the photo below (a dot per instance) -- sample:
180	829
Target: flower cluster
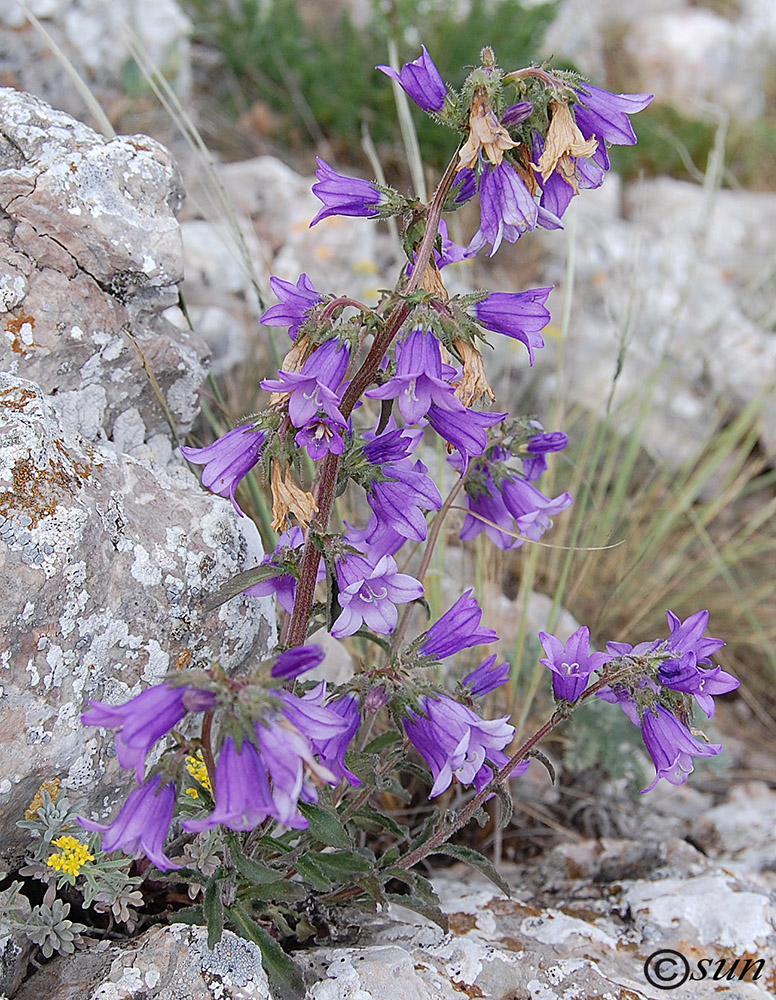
71	856
271	752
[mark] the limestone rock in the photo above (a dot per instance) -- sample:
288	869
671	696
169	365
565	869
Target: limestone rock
680	288
90	256
96	39
105	562
165	963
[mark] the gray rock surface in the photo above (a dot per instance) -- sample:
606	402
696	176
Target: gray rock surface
96	39
165	963
682	288
701	58
105	561
90	256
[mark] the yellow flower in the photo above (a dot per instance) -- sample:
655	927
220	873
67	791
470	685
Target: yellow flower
71	858
198	770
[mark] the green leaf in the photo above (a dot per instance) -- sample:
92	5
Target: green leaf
214	912
382	742
342	864
312	874
255	872
476	860
372	819
285	979
188	915
325	825
507	806
283	890
240	583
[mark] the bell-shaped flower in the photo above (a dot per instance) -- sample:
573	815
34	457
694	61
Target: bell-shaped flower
369	594
521	315
488	676
421	81
313	388
572	664
295	662
296	300
228	459
457	629
507	208
292	768
466	430
671	746
343	195
142	824
144	719
604	115
420	378
456	742
242	793
538	447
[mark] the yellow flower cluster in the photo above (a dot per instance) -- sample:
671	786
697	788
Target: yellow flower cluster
71	858
198	770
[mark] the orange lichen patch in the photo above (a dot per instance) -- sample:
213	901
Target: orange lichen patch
512	907
462	923
512	943
23	396
52	787
20	328
469	989
38	490
183	659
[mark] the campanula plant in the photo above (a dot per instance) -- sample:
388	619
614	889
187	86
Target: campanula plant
289	770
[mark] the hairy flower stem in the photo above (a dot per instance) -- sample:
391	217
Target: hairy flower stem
327	484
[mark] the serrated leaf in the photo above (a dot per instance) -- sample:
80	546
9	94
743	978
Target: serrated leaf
255	872
476	860
325	825
312	874
285	979
421	906
240	583
213	908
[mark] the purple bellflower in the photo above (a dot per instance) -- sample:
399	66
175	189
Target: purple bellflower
604	116
521	315
143	720
242	792
399	503
369	594
538	447
295	662
457	629
487	677
331	750
683	672
313	388
322	435
507	208
421	81
344	195
671	746
455	742
516	507
466	185
142	824
465	430
420	378
227	460
572	663
292	767
296	300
